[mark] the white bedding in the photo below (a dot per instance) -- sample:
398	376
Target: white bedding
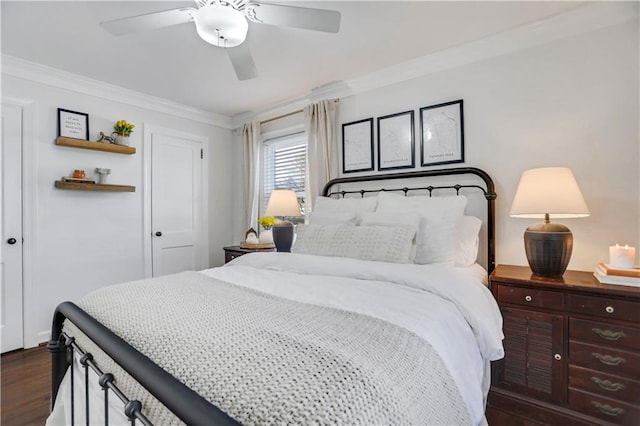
449	307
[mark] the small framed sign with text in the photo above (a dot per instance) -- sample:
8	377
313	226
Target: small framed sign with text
72	124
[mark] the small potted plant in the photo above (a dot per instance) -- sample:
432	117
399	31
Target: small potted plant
266	237
122	131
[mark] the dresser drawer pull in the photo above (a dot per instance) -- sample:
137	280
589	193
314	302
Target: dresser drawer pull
608	334
528	298
609	309
607	409
608	359
608	384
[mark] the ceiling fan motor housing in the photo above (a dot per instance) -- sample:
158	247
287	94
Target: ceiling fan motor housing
222	26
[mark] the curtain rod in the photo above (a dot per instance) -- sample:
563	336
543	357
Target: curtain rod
298	111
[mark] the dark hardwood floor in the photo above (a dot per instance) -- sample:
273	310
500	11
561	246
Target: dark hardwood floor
25	386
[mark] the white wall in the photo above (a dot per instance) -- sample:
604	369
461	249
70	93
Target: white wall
572	102
85	240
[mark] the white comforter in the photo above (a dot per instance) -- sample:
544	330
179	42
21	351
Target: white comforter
449	307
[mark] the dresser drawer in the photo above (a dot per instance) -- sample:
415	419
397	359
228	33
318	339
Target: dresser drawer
604	408
603	333
530	297
605	359
230	255
624	310
619	388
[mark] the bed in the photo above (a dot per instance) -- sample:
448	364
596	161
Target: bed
367	321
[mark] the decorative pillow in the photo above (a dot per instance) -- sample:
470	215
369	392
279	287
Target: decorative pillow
333	218
355	205
440	219
468	241
409	220
379	243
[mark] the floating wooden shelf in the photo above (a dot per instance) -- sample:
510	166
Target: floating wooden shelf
97	146
94	187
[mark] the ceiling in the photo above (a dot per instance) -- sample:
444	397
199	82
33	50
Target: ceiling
175	64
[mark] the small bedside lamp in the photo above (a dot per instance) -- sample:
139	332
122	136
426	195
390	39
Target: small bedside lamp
283	202
541	193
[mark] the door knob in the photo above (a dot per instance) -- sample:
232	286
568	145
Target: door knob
158	234
12	241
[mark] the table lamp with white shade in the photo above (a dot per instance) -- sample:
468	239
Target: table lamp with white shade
283	203
545	193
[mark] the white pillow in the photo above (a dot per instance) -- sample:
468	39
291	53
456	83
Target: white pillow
333	218
409	220
355	205
468	241
379	243
440	219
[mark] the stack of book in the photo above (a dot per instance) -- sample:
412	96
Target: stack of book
77	180
607	274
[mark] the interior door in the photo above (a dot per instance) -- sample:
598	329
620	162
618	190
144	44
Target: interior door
176	204
11	326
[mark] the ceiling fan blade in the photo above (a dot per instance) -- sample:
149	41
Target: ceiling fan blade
149	21
242	61
292	16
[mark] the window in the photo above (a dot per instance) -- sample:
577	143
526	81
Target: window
284	167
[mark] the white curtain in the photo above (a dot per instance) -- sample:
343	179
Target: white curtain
322	152
251	143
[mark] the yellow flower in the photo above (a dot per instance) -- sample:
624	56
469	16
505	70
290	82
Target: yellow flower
122	126
267	221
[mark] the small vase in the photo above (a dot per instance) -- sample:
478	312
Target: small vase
266	237
121	138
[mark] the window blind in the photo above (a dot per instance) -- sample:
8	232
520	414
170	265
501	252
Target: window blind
284	166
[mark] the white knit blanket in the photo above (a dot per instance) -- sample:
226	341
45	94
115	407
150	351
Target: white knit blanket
267	360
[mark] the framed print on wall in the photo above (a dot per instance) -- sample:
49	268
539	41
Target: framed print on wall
72	124
442	134
396	146
357	146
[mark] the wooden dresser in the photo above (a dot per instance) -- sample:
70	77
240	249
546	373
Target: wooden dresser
231	252
572	349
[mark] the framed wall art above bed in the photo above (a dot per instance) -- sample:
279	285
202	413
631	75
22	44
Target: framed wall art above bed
442	134
396	146
357	146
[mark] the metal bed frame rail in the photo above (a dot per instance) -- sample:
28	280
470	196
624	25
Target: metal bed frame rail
185	403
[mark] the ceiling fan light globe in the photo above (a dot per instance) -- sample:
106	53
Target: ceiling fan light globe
221	26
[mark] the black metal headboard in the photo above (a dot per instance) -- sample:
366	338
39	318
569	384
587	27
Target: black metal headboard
488	190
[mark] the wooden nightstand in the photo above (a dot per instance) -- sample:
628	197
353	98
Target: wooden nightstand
572	350
231	252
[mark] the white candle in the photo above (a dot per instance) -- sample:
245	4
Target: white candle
622	256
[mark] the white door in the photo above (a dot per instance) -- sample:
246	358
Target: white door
11	229
176	204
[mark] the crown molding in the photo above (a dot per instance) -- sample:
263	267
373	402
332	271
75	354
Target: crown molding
587	18
31	71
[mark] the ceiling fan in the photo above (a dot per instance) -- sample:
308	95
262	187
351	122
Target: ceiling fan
224	24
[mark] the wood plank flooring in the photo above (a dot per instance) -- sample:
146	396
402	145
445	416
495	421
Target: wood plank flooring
25	386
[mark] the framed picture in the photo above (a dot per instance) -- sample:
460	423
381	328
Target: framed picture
357	146
442	134
396	147
72	124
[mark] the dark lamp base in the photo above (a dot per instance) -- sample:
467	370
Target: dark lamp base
283	236
548	247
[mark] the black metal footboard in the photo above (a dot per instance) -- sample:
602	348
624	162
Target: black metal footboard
185	403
